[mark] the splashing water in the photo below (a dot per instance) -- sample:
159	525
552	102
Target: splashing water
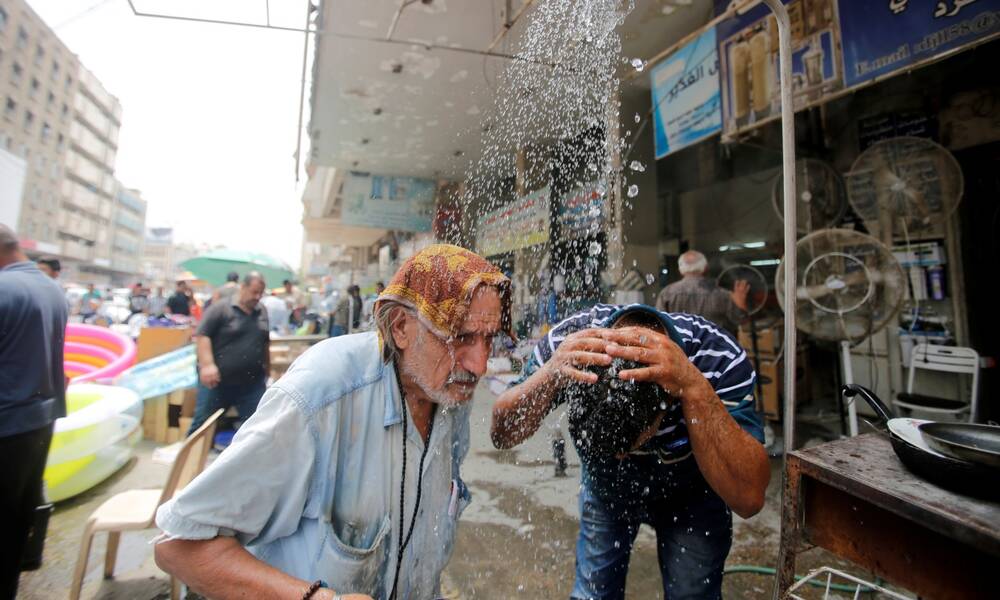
638	64
633	191
637	166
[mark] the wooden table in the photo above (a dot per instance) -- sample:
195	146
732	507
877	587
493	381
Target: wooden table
855	498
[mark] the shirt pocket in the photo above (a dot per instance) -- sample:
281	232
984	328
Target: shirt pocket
350	569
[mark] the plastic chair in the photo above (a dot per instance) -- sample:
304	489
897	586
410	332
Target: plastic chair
950	359
135	510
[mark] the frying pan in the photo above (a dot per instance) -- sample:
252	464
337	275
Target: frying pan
919	457
974	443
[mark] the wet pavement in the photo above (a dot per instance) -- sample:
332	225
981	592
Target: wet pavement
516	539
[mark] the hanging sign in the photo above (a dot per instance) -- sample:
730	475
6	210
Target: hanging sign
748	52
399	203
520	224
686	102
885	36
582	211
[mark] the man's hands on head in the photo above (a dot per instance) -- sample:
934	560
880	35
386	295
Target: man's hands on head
667	365
581	349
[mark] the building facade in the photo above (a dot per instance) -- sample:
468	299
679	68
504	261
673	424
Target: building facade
59	119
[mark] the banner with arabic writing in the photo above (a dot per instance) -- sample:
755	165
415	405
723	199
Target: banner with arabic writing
686	106
885	36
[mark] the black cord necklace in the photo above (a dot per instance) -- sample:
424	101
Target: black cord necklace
403	542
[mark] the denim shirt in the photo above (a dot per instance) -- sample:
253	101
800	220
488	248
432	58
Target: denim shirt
311	482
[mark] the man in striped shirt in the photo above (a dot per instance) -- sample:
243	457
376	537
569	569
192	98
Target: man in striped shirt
701	457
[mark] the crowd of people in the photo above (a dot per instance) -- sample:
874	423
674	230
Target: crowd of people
344	480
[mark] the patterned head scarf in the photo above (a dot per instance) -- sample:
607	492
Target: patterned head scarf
438	283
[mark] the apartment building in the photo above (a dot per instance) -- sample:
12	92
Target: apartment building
59	118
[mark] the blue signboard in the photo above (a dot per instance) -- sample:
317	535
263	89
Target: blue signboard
884	36
400	203
686	102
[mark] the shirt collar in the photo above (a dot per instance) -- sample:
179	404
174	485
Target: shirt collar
24	265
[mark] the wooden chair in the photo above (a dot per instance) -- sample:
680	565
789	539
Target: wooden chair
135	510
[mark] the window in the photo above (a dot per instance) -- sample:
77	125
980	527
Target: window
54	74
50	101
46	133
69	81
16	72
3	19
10	109
60	142
65	112
29	121
22	38
35	86
39	55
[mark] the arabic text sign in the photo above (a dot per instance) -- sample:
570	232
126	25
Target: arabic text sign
400	203
686	95
581	211
884	36
520	224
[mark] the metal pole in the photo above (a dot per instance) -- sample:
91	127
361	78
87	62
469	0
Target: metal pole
302	90
786	556
788	176
852	408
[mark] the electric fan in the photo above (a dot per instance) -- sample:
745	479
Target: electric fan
820	196
849	287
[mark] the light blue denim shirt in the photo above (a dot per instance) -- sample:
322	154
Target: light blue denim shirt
311	482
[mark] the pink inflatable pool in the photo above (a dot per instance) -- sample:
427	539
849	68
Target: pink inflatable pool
96	354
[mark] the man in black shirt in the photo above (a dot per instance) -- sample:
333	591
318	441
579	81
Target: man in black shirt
179	303
233	362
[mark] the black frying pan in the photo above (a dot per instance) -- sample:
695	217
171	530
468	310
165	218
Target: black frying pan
975	443
923	460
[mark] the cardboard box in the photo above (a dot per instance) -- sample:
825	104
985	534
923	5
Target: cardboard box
769	339
769	402
154	341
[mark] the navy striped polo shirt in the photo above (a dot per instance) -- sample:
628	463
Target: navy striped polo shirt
713	351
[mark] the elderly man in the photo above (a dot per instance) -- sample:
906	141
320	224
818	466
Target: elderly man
348	474
695	456
694	294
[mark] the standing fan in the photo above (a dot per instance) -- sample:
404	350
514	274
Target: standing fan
849	287
820	197
756	298
911	184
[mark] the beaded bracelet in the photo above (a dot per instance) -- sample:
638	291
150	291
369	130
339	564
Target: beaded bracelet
312	589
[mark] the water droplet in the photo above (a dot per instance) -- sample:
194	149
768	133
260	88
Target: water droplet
637	166
618	544
638	64
650	278
592	166
637	117
633	191
595	211
594	248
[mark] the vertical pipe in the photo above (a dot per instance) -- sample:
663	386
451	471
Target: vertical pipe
788	176
852	408
302	89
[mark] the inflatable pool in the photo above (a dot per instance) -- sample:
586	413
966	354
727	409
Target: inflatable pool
162	374
96	354
94	440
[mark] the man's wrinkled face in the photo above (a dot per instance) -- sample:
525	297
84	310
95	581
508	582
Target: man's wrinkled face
447	371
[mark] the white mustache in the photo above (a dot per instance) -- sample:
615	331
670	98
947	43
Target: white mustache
462	377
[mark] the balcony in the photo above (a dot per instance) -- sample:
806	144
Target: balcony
81	197
77	226
77	250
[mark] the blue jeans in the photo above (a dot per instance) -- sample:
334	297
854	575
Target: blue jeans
693	537
243	396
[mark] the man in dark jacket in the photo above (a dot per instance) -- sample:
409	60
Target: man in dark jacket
32	395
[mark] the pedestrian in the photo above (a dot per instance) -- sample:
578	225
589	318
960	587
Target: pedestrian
662	414
232	344
277	313
33	317
695	294
157	302
349	473
226	291
179	302
138	300
346	317
90	302
49	265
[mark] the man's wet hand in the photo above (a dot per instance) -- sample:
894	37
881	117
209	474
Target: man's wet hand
667	365
585	348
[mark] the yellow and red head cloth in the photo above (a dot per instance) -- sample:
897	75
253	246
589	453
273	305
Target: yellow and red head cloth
438	283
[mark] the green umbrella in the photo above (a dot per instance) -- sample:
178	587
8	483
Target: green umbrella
215	265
